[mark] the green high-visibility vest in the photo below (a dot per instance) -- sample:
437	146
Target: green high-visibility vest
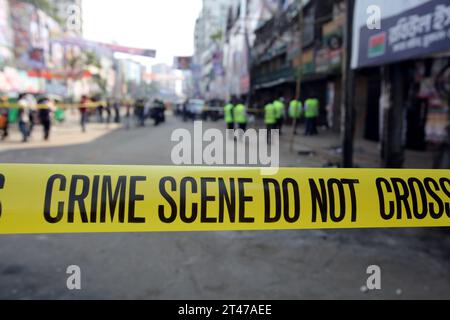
295	109
270	114
279	109
311	108
240	115
59	114
13	115
229	113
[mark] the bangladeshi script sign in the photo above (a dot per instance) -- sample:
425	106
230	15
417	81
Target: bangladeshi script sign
420	29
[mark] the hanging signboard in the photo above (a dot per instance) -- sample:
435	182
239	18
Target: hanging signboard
182	63
408	29
105	47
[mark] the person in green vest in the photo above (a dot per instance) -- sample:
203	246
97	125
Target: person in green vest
279	113
240	116
270	119
229	118
59	112
228	113
295	113
311	115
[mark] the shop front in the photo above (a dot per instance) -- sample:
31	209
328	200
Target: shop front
406	64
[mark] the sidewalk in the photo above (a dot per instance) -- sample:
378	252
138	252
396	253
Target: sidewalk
325	149
62	134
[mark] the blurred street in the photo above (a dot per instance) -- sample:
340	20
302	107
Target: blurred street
63	134
415	263
348	84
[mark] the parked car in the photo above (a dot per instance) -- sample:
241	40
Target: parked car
214	111
196	109
157	112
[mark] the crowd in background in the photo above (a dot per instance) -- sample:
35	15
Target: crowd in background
27	111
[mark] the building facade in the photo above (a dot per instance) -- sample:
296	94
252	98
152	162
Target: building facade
209	42
403	78
278	60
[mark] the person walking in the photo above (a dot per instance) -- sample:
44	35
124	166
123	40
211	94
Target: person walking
4	110
240	117
24	118
270	119
100	113
311	115
184	110
108	110
32	114
116	107
127	115
44	113
295	113
139	110
83	112
229	119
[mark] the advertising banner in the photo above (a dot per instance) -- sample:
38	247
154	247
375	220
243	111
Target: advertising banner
105	47
182	63
6	41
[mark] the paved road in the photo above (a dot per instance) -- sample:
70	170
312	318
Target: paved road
415	263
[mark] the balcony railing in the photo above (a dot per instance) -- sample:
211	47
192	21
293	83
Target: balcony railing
284	74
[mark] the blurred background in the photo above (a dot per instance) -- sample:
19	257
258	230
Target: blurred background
350	83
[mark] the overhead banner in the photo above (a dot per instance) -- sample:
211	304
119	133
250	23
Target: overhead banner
182	63
106	47
409	29
80	199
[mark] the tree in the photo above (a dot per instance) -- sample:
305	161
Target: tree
47	7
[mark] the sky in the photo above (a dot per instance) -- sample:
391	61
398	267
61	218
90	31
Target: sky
164	25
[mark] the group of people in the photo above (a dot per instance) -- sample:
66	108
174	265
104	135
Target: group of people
309	110
235	115
88	106
29	113
141	109
28	110
275	113
145	109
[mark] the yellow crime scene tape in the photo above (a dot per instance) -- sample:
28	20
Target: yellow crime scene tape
85	199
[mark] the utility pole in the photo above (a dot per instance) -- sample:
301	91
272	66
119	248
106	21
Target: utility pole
249	67
299	71
394	150
348	89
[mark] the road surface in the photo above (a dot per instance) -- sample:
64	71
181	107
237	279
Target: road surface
415	263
